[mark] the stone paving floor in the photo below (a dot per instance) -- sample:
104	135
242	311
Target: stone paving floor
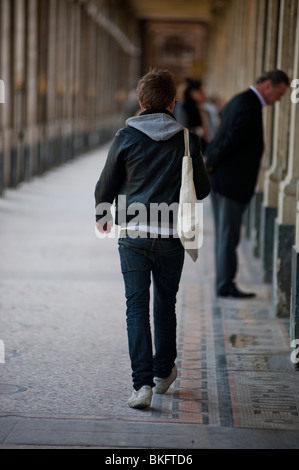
66	377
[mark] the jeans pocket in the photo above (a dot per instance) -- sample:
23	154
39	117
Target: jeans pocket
132	259
171	264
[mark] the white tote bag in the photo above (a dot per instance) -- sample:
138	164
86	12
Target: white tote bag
189	226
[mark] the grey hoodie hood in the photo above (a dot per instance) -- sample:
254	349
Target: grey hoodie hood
157	126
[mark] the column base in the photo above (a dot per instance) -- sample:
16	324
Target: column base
268	216
284	238
294	315
255	222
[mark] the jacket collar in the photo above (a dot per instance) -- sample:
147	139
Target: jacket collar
156	111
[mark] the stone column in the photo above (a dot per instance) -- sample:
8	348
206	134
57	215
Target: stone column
294	318
42	113
52	127
270	54
284	235
239	44
256	40
18	84
278	158
85	24
294	310
91	91
294	157
78	141
69	76
221	65
31	137
5	108
62	91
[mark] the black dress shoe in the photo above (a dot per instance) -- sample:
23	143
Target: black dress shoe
236	293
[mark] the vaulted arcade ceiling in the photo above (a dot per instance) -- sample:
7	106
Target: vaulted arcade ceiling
183	10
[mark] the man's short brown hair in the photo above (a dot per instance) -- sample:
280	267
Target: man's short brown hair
156	90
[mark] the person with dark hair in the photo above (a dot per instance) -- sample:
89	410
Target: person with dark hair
275	77
193	97
233	161
190	111
144	170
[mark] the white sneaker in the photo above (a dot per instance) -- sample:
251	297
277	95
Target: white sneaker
142	398
162	385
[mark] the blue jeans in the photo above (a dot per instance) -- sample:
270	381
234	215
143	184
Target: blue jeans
163	259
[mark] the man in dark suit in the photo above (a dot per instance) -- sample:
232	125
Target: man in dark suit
233	161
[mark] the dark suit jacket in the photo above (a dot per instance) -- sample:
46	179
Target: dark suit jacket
235	153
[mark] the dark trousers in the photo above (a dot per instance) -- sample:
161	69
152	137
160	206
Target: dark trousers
141	261
228	216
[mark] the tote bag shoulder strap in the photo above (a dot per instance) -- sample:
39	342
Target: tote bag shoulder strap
187	146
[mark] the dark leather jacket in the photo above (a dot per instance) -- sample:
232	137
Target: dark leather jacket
144	167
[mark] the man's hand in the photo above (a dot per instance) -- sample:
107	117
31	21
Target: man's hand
106	228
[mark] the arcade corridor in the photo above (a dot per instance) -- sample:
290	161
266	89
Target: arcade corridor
66	379
67	71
